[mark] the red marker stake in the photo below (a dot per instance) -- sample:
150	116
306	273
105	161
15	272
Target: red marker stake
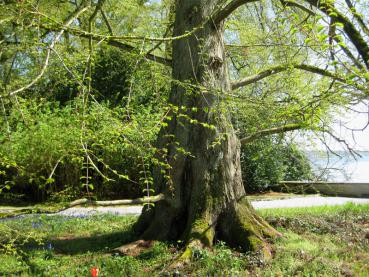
94	272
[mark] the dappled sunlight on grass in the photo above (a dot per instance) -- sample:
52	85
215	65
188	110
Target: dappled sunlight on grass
318	210
318	241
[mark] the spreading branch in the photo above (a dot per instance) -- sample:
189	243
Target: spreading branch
279	68
287	3
107	23
332	13
225	12
137	201
348	53
58	25
352	151
349	28
271	131
358	17
112	42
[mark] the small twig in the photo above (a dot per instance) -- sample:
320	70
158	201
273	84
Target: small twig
56	165
106	20
342	141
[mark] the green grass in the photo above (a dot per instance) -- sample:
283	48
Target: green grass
319	241
317	210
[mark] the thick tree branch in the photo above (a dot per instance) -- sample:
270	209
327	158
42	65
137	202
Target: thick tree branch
279	68
349	28
144	200
157	45
257	77
271	131
223	13
186	34
91	20
358	17
113	42
130	48
98	7
106	20
348	53
287	3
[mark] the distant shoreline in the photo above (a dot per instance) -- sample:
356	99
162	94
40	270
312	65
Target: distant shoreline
340	168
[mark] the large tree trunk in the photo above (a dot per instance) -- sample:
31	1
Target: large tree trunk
203	186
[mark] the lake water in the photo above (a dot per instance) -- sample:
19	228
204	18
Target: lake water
344	168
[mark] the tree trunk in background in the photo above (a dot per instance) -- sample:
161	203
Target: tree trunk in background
205	187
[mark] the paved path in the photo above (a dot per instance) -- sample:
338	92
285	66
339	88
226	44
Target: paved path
308	201
121	210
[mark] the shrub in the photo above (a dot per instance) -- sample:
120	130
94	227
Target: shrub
266	162
48	150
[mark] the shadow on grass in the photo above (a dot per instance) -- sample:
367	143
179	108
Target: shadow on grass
98	243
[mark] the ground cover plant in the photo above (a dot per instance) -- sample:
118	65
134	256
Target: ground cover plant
319	241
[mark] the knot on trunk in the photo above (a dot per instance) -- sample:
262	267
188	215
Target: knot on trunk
215	62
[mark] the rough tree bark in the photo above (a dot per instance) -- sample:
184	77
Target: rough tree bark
204	194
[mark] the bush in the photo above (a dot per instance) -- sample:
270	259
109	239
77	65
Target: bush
54	143
267	162
48	151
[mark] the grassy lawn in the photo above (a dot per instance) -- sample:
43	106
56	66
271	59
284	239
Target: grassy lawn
319	241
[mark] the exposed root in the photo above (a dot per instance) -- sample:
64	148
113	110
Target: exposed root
267	230
185	258
201	232
241	227
134	248
160	226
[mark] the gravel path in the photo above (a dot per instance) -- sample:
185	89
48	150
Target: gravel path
308	201
122	210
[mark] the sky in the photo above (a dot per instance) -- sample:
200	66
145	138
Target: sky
357	140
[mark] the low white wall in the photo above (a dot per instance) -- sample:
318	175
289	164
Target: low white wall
328	188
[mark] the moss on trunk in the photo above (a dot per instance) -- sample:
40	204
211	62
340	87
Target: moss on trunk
204	191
